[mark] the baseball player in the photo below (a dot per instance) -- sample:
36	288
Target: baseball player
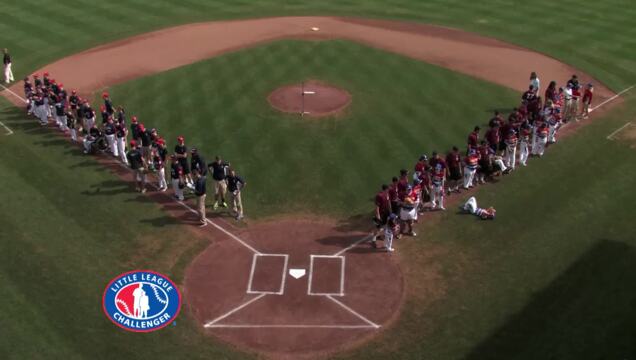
391	230
40	107
453	160
535	82
60	113
8	74
176	174
181	152
420	165
382	212
157	165
136	161
470	206
437	189
408	211
135	134
587	100
471	162
510	157
567	105
554	122
541	132
89	115
235	185
120	141
162	153
524	143
90	138
111	131
473	140
28	92
71	123
108	104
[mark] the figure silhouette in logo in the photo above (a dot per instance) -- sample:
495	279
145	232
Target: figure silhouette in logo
138	293
143	305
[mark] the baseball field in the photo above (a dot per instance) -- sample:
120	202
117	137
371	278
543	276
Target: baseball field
552	277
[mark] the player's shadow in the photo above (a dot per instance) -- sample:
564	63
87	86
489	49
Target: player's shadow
355	223
165	220
587	312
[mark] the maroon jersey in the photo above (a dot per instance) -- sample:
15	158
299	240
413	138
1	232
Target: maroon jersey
382	202
587	96
402	186
420	166
453	159
492	136
393	193
473	139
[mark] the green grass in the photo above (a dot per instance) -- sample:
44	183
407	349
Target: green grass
551	278
329	166
68	227
598	37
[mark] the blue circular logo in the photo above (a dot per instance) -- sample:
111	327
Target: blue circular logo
141	301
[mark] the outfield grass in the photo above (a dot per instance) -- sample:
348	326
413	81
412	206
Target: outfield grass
598	37
327	166
552	277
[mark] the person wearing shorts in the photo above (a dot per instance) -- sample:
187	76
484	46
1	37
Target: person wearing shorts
454	168
135	159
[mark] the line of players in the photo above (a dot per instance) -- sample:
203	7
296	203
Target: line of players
528	130
49	100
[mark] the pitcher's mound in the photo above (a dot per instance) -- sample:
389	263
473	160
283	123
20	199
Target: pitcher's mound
319	99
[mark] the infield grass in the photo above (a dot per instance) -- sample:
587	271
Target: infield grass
333	166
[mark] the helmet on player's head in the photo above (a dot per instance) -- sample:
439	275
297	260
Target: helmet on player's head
36	76
423	157
104	95
133	143
73	91
52	81
60	85
141	127
180	139
46	73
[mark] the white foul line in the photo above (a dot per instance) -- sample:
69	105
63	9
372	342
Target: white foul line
371	323
290	326
14	94
610	136
613	97
9	131
209	324
366	238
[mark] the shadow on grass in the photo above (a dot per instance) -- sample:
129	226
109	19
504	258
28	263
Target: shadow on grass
588	312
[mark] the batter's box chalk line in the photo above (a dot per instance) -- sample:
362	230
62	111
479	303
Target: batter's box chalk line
281	289
311	275
615	132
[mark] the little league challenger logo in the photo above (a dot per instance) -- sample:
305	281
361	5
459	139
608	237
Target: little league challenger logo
141	301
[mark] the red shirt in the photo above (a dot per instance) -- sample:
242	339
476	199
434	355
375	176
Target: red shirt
393	192
382	202
492	136
402	185
453	159
420	166
471	161
587	97
473	139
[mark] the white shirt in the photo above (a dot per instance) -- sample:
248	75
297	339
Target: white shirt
536	84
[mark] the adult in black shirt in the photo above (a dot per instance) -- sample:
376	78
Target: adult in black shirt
199	191
197	163
108	104
235	185
219	174
136	161
144	135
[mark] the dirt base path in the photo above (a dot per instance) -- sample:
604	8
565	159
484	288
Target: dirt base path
158	51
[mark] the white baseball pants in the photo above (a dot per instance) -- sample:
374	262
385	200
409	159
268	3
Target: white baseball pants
8	74
121	149
511	157
161	175
469	176
437	196
177	192
112	144
523	153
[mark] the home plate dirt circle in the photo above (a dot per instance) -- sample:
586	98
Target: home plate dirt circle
294	288
312	98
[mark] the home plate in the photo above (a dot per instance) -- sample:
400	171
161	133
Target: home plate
315	28
297	273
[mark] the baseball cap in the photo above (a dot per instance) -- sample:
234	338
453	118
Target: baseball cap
180	138
133	143
134	119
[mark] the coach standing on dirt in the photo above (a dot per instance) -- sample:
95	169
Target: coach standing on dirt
199	191
8	74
